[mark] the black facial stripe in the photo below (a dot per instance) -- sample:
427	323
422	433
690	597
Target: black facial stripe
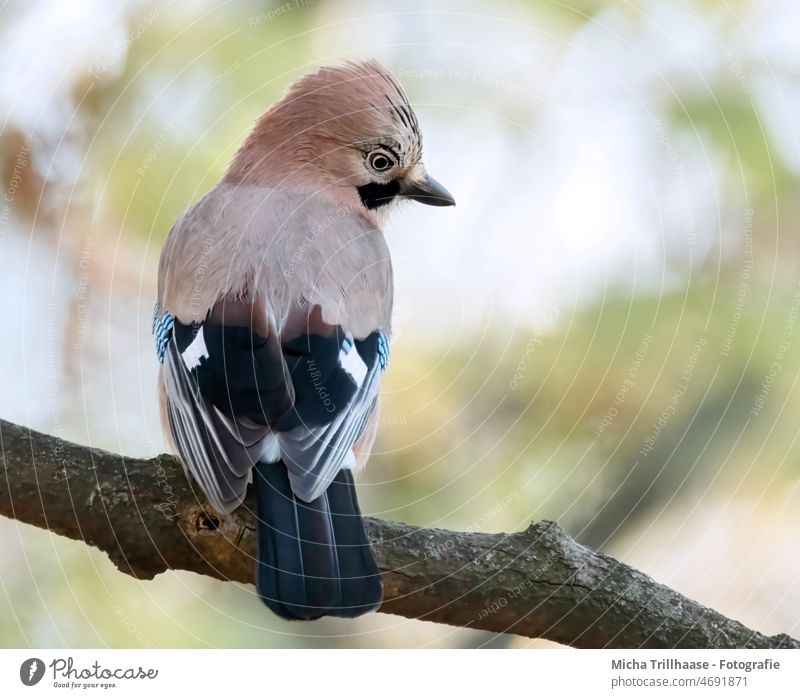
375	195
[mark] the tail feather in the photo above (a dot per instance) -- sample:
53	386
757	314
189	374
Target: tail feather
361	584
314	557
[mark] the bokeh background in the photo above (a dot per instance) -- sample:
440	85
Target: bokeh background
603	332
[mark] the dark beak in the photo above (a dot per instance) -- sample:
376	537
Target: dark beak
429	192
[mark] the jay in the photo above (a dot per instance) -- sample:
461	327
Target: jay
273	325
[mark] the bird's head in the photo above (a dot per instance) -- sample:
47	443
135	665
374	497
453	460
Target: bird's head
347	130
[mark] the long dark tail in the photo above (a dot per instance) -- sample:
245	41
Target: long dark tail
314	557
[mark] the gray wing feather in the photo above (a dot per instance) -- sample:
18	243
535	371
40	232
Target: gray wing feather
218	452
315	456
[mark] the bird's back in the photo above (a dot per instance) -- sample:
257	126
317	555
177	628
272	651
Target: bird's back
284	248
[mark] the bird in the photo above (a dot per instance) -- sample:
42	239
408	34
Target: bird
273	327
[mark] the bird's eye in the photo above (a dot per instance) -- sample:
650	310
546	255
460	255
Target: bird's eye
380	161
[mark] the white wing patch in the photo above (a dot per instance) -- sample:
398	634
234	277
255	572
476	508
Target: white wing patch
350	360
195	351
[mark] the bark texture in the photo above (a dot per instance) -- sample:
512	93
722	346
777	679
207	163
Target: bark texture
538	583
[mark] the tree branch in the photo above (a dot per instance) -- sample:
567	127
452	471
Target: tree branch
147	517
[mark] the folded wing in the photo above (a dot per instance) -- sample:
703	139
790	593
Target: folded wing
233	386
